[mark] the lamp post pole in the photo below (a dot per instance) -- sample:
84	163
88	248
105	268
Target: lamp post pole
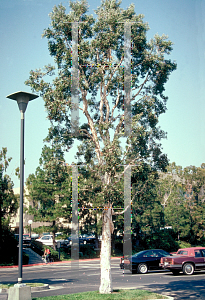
22	99
30	222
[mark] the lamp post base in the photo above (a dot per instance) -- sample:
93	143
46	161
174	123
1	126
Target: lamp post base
19	292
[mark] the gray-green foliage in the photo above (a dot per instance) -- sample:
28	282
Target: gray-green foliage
101	77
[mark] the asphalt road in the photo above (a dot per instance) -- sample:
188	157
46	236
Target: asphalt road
65	278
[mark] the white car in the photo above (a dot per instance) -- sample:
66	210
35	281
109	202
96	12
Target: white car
46	240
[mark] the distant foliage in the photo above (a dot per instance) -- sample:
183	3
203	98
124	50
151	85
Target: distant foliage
8	208
181	193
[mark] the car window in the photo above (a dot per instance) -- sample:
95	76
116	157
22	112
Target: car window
149	253
156	254
203	252
163	253
182	252
46	238
198	253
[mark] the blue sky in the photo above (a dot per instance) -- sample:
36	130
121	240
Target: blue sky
22	49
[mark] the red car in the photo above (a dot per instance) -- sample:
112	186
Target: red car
186	260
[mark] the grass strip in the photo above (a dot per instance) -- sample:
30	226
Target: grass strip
116	295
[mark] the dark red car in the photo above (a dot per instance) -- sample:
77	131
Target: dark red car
186	260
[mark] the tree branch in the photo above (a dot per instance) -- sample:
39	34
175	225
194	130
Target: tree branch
92	127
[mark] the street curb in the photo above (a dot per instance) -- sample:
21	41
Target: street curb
33	289
57	262
39	288
167	298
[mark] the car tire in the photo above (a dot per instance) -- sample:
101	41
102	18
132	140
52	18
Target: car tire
142	268
188	269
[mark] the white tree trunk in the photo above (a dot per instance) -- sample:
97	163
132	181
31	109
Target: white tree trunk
105	256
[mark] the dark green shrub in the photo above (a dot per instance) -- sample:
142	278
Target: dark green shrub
37	247
87	251
9	249
25	259
162	239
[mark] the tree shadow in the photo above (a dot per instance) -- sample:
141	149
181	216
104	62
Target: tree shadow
181	289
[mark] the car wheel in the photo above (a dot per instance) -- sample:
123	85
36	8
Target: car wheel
175	272
188	269
142	268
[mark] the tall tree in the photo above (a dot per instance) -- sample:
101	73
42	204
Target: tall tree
8	201
104	99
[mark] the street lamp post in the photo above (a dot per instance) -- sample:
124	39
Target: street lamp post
22	99
30	222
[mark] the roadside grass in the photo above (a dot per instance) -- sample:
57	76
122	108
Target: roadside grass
116	295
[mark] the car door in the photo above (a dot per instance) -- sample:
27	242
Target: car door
152	259
199	259
203	253
47	240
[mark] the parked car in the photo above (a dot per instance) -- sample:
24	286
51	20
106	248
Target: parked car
26	236
46	240
186	260
144	260
87	239
26	240
83	240
34	236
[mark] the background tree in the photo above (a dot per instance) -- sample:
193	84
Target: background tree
104	146
50	190
195	201
181	192
8	201
147	209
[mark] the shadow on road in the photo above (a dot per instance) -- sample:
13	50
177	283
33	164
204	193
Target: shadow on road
184	289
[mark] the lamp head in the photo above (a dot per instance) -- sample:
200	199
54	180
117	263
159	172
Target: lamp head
22	99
